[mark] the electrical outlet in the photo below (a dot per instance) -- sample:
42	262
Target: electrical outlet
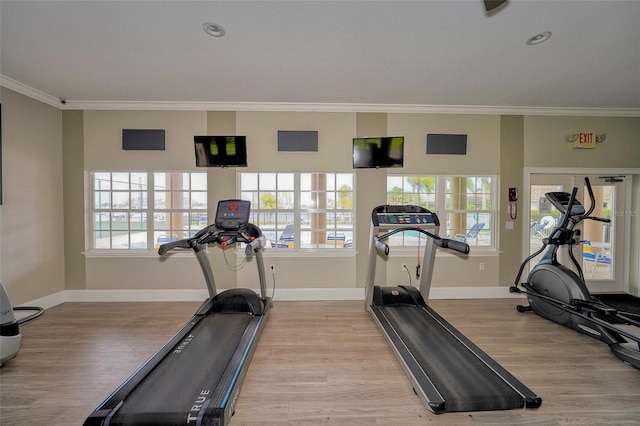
273	268
404	267
482	266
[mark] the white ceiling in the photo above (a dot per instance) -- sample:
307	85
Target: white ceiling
410	53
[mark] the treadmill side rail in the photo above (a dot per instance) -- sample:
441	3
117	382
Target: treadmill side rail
530	399
422	385
471	380
215	399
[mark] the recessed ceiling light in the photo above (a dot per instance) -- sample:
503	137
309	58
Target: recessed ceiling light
213	29
539	38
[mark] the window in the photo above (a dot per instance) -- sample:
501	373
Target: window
301	210
416	190
141	210
469	209
465	205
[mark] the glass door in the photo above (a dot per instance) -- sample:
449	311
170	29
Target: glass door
603	243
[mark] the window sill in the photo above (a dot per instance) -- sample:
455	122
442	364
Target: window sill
269	253
131	253
284	252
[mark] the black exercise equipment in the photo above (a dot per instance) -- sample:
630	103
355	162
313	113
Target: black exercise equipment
559	294
195	378
448	371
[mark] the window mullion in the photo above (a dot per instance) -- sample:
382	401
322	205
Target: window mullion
441	198
151	208
297	210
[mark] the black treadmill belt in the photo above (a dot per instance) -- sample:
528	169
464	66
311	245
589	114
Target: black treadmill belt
173	387
465	382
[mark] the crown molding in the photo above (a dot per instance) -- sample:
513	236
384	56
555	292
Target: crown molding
23	89
313	107
351	107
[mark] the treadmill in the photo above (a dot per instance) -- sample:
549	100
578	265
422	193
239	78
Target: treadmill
448	372
196	376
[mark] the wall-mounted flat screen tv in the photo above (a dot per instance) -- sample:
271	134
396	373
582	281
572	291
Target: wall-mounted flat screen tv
378	152
221	151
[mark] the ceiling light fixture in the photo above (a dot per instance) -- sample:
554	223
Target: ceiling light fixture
213	29
539	38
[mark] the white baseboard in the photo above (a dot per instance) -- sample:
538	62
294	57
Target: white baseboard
311	294
136	295
49	301
291	294
473	293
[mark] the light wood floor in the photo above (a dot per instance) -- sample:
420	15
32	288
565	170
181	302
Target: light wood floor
318	363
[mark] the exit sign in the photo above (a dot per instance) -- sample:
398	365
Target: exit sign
585	140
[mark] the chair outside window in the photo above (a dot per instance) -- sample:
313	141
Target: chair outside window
472	234
543	229
286	239
593	259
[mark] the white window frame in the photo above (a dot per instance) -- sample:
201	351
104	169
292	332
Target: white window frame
291	243
487	239
149	208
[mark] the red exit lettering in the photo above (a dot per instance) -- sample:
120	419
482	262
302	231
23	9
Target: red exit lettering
586	138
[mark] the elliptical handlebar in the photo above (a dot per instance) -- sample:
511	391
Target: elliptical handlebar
567	215
592	198
599	219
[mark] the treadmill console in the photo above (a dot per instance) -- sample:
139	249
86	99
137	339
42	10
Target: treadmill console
561	201
388	216
232	214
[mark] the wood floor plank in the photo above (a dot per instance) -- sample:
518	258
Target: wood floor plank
318	363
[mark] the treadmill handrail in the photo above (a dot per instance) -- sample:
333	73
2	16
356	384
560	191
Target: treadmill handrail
249	234
214	235
446	243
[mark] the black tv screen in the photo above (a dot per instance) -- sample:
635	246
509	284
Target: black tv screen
378	152
220	151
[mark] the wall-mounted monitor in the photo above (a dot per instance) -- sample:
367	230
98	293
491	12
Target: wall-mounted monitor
220	151
378	152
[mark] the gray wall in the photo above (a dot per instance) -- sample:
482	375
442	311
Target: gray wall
32	223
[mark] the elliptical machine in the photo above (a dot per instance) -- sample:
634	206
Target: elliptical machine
559	294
